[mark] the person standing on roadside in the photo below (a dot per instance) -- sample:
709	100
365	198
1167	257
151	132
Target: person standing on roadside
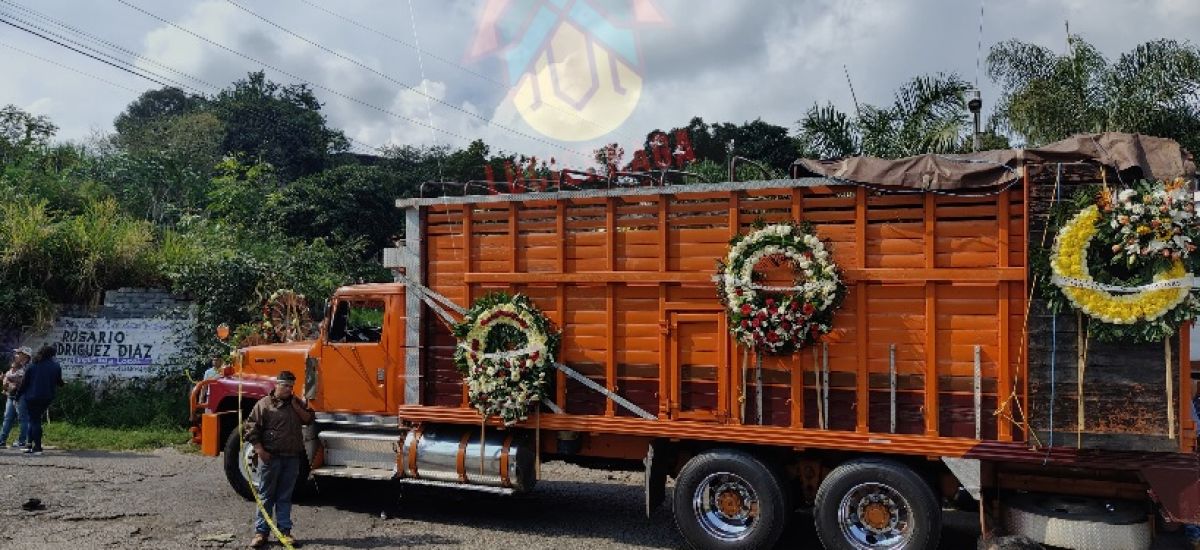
274	429
42	380
13	380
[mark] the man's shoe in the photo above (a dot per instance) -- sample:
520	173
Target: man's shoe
17	445
259	540
288	540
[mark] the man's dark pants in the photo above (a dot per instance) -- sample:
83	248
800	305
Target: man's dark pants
275	481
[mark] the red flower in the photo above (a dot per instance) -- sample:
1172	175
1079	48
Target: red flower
785	325
793	305
770	302
757	322
808	309
745	323
745	309
737	291
772	337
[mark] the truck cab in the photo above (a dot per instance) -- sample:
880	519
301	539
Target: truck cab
352	370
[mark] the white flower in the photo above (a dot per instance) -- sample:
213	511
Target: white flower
1126	195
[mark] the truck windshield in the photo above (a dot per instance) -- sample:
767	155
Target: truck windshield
357	321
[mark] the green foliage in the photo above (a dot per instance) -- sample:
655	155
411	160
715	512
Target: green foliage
347	204
66	435
927	115
765	142
1151	89
277	124
159	402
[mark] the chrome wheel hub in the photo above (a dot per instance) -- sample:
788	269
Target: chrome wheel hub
874	516
726	506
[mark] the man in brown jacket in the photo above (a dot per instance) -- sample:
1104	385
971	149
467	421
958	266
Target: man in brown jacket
274	428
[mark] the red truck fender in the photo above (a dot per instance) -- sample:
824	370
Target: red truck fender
211	399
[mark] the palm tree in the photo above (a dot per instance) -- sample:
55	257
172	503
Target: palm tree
927	115
1152	89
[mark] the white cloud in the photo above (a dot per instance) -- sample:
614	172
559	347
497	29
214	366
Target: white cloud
724	61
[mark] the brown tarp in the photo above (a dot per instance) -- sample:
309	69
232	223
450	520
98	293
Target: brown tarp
1157	158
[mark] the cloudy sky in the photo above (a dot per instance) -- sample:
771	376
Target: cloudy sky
721	60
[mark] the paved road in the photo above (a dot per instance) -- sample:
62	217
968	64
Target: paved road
167	499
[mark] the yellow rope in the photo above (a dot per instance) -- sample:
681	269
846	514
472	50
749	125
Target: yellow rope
246	460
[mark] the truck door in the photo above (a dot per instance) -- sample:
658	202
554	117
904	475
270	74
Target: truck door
698	355
355	365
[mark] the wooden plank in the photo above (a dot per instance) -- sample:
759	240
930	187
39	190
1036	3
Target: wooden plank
931	390
861	341
610	356
663	235
797	372
664	354
560	382
853	275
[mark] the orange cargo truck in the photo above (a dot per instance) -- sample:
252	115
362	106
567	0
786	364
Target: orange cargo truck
937	369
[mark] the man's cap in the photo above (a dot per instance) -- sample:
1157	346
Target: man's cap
24	349
286	377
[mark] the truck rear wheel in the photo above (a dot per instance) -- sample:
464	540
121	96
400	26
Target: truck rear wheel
729	499
240	467
871	504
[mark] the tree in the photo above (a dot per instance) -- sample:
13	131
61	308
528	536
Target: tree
151	109
928	114
281	125
346	205
1152	89
756	139
21	131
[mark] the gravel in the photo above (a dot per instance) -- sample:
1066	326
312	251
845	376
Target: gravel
168	499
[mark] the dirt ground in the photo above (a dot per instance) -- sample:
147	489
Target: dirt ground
168	499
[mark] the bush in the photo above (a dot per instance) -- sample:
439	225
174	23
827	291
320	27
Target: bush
158	402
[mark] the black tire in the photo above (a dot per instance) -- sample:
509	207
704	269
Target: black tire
233	468
241	485
904	510
704	484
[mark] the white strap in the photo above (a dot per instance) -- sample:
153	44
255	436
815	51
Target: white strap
597	387
1182	282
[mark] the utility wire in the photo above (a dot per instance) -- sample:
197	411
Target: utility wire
979	46
149	75
421	52
34	13
81	52
68	67
412	19
402	84
292	75
166	80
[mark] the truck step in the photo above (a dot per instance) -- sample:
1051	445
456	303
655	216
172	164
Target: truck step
354	472
360	449
452	485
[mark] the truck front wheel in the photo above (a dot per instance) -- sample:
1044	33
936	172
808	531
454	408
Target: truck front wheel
873	504
241	465
728	500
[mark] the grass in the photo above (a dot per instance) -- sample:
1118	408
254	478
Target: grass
65	435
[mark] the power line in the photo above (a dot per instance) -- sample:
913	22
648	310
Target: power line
402	84
68	67
412	19
165	80
150	75
289	74
421	52
78	51
100	40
